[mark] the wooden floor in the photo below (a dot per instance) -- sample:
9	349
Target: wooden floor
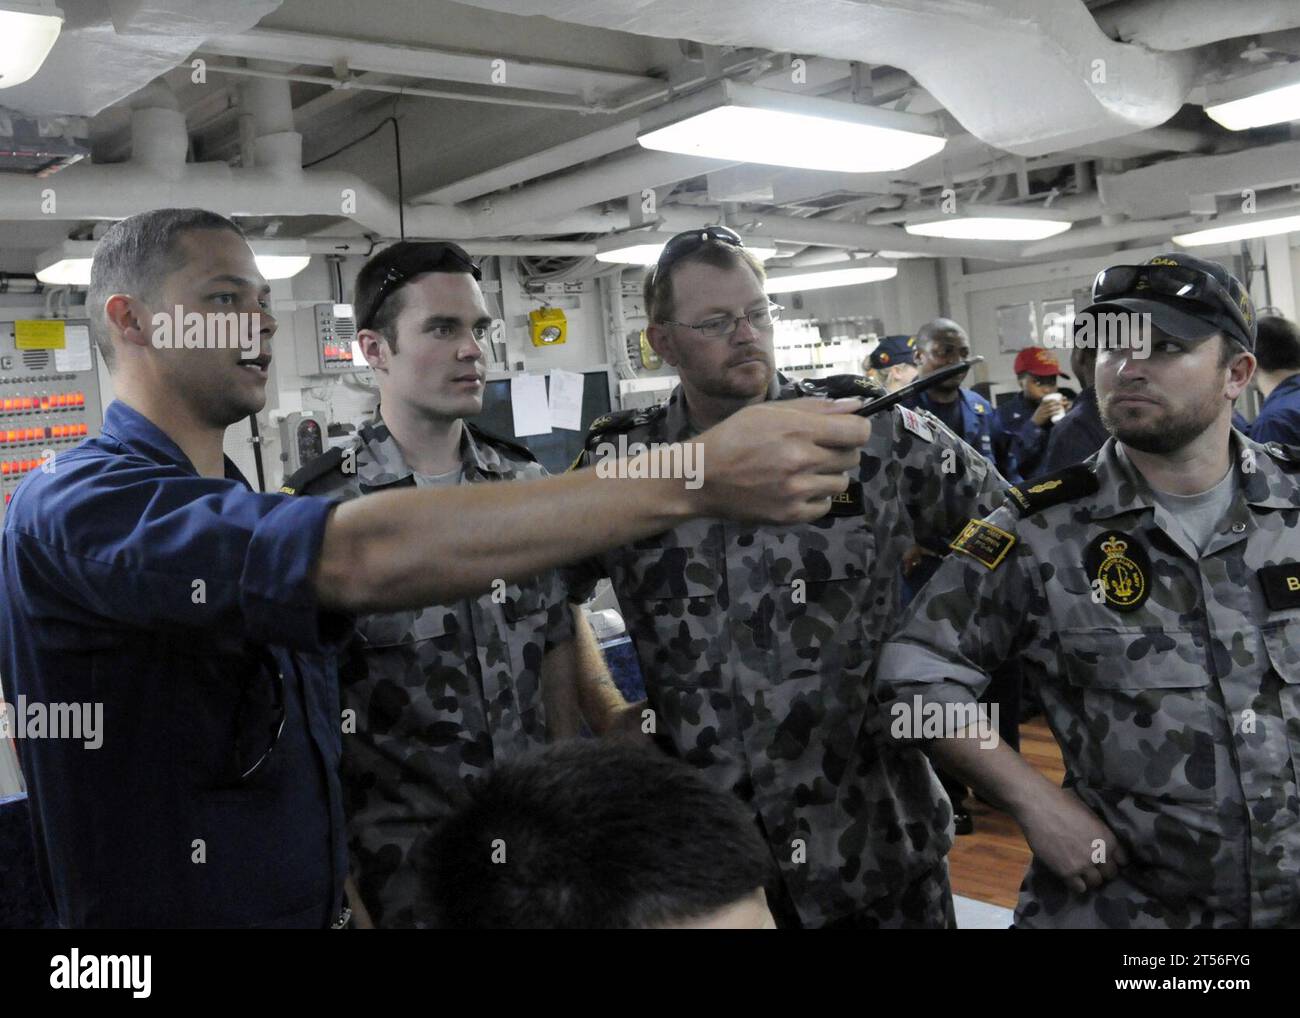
989	864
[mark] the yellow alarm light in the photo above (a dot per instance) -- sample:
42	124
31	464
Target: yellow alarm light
547	326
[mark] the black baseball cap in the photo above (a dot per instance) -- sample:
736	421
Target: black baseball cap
392	267
1188	298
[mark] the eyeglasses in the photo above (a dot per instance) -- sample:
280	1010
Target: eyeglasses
1168	281
432	257
725	325
250	711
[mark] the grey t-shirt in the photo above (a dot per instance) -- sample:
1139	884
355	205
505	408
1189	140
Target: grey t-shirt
1200	515
434	480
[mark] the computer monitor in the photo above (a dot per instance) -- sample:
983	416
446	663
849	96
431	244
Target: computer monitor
561	447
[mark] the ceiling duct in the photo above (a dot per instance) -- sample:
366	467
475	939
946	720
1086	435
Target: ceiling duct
1186	24
1073	85
108	50
1172	187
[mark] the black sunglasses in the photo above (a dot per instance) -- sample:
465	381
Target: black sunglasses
692	240
1169	281
261	728
432	258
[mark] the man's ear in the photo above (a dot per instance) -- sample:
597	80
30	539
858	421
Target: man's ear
1241	369
661	341
129	317
375	349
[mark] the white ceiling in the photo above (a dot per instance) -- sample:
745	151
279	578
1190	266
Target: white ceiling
1003	75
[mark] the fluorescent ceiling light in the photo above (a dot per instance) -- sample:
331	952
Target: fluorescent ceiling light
281	266
1244	230
280	259
643	247
66	265
1270	97
843	274
744	123
989	223
69	263
27	34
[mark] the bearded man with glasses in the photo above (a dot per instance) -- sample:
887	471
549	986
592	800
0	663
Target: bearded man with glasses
756	642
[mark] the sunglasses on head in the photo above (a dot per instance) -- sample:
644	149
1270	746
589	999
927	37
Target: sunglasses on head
1168	281
693	240
433	257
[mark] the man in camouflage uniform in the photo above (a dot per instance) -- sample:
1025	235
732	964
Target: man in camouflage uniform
756	642
438	694
1154	592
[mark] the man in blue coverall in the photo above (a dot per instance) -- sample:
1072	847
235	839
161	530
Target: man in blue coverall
141	573
940	343
1028	416
1278	381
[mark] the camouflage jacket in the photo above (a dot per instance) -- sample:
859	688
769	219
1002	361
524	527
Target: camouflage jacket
1170	679
435	703
756	643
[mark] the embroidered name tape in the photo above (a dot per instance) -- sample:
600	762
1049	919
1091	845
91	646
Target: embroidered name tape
1281	585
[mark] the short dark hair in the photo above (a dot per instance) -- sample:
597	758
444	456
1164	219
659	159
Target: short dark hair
135	256
937	327
408	259
657	287
596	835
1277	344
1229	348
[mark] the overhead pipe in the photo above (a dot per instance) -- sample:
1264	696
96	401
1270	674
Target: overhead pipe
1073	85
1187	24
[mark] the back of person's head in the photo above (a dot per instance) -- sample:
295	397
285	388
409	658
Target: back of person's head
135	256
591	834
1277	344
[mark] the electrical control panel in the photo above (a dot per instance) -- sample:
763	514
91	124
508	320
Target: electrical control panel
301	440
49	401
326	336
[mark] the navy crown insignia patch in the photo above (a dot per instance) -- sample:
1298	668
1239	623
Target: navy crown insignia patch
1118	571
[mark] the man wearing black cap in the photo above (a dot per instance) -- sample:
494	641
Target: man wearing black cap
894	361
1154	593
442	694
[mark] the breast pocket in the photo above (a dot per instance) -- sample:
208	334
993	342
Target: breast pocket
396	629
527	610
1283	646
823	597
1141	720
674	602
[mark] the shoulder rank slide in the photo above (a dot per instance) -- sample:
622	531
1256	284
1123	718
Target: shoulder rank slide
622	420
986	544
308	472
916	424
1032	496
839	387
